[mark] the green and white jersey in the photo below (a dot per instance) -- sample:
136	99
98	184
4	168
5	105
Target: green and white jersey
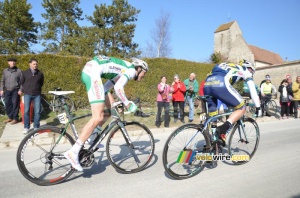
117	71
113	67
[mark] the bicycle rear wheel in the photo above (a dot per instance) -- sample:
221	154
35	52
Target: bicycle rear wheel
181	149
244	142
2	110
58	106
271	107
40	156
130	157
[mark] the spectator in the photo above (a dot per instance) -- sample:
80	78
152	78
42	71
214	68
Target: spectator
263	81
192	88
290	82
32	82
266	91
284	99
163	101
11	88
296	93
178	89
201	89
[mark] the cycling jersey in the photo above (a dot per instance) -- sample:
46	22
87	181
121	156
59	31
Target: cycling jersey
117	71
219	85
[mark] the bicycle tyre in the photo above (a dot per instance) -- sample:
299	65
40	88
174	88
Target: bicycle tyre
35	166
119	153
174	150
237	144
2	106
2	110
58	106
271	107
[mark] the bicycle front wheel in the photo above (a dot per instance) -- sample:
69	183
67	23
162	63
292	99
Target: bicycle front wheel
181	151
133	153
40	156
244	142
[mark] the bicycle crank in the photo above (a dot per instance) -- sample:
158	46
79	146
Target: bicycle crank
86	158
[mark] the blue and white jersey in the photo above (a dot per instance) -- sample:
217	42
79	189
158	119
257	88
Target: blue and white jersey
232	72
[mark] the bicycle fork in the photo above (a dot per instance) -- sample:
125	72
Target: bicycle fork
129	142
241	130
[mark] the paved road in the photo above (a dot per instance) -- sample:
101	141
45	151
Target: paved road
273	172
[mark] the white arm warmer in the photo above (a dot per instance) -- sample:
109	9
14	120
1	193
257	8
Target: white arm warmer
253	93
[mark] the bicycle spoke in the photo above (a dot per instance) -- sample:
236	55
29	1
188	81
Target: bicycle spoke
130	155
180	150
244	142
43	162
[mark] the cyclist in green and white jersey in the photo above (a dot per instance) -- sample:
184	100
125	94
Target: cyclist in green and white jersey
118	72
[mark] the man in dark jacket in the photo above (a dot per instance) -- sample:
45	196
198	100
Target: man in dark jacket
11	89
32	82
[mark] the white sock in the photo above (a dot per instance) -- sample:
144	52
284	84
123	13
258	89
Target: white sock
77	146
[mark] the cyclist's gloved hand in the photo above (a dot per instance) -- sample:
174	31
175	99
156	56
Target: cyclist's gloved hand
132	108
257	112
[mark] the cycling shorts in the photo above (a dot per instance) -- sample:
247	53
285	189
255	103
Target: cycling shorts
91	77
220	88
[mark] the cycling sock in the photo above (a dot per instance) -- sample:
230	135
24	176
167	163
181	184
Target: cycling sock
77	146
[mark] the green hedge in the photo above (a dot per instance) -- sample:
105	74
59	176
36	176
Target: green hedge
64	72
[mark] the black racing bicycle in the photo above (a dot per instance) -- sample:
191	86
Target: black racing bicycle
55	104
269	105
190	147
46	165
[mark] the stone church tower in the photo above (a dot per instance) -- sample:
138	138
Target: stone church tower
229	42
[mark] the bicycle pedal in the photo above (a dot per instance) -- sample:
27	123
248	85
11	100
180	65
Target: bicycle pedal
213	164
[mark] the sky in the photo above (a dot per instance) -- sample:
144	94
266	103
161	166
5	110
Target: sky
272	25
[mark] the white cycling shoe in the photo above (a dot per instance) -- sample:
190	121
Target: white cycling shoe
73	159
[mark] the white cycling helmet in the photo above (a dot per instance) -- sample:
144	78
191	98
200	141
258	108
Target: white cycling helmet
247	64
140	63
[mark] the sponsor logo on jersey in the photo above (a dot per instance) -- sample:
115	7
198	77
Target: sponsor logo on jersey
118	69
121	94
96	86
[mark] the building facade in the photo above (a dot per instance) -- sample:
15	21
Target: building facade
229	42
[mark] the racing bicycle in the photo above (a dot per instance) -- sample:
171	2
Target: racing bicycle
185	147
46	165
2	106
55	104
269	105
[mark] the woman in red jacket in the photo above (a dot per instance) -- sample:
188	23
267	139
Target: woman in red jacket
178	88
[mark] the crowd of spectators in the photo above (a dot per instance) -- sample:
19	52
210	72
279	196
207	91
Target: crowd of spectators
14	84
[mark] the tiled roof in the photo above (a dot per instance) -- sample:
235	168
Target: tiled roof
224	27
265	56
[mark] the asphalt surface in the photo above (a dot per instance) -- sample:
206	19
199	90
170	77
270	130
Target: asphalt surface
273	172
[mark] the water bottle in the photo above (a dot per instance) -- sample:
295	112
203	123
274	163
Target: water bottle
93	136
213	130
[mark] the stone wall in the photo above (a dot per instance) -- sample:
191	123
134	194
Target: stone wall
277	72
240	50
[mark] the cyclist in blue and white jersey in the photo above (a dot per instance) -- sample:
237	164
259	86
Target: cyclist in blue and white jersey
218	85
118	72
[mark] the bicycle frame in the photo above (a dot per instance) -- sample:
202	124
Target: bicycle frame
117	121
210	120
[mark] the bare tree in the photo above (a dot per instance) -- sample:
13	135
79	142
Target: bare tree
161	37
